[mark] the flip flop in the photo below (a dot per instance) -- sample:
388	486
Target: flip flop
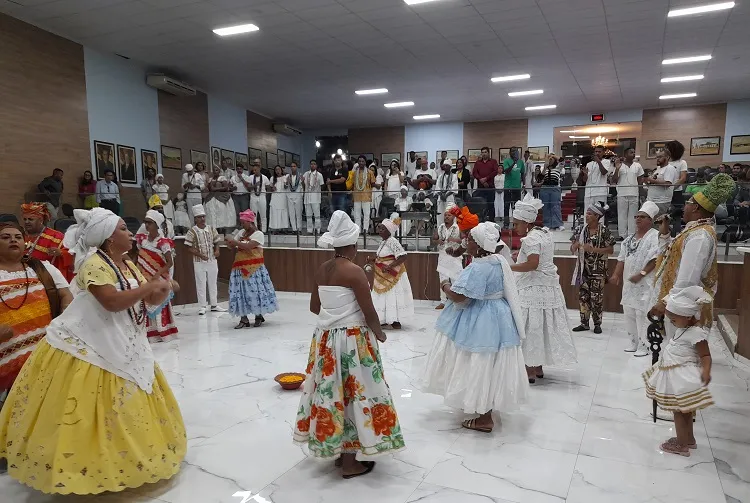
673	441
675	449
471	424
369	466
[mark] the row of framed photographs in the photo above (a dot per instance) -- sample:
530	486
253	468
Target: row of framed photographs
705	145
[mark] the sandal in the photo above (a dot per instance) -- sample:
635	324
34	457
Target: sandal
369	465
673	441
471	424
675	449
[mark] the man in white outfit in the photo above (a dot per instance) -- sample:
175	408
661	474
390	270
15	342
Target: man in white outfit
294	197
258	200
361	181
203	243
628	175
447	188
312	181
528	173
193	184
595	175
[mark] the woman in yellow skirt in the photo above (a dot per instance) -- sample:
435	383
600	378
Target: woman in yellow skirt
91	411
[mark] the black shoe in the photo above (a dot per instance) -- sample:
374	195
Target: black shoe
532	380
597	329
258	321
582	328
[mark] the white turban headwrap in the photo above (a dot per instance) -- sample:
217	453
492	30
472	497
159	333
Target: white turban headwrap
688	301
527	209
404	187
598	209
157	217
92	228
486	236
199	211
341	232
649	208
188	167
392	223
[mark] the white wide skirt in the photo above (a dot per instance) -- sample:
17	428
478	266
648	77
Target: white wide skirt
476	382
397	304
220	215
549	340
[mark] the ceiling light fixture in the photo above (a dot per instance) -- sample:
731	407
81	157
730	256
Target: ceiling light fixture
365	92
236	30
579	137
317	144
572	131
700	9
676	96
425	117
416	2
688	59
682	78
508	78
399	104
541	107
525	93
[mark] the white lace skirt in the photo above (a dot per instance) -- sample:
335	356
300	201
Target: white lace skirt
476	382
549	340
397	304
220	215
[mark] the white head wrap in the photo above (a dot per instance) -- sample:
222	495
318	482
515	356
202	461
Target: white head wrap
486	236
160	175
404	187
157	217
373	165
92	228
341	232
188	167
390	224
649	208
598	209
198	211
222	179
527	209
447	162
448	206
688	301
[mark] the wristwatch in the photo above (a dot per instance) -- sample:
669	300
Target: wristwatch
643	273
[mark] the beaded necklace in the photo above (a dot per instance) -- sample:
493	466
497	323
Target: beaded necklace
294	186
139	318
257	184
360	184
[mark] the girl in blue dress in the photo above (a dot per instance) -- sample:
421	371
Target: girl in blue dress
476	362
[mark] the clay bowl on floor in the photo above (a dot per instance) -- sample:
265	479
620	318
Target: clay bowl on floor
290	380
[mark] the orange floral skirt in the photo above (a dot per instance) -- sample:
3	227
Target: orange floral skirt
346	406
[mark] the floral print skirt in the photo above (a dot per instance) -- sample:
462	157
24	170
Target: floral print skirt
346	406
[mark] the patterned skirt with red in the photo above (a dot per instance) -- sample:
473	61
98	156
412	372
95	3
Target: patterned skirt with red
161	328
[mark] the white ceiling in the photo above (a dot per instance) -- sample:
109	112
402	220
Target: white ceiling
309	56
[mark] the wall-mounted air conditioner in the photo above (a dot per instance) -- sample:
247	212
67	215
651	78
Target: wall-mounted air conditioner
286	129
169	85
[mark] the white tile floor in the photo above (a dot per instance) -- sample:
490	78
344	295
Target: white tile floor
584	437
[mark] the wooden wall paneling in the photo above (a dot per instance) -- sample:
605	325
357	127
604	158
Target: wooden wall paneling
496	134
683	123
260	134
378	141
743	333
44	114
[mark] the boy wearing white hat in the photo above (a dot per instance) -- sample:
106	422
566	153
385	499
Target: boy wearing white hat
202	241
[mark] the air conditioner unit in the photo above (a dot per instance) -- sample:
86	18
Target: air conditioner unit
286	129
169	85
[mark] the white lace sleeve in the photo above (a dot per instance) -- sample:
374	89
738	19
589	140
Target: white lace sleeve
396	248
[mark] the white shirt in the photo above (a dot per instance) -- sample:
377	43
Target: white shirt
499	181
403	203
392	186
596	185
637	295
627	184
681	167
237	179
410	167
528	175
161	190
448	183
313	181
256	236
195	179
262	180
661	193
107	190
429	171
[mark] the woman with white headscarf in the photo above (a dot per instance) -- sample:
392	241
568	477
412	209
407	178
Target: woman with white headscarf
476	362
90	401
549	340
346	407
391	290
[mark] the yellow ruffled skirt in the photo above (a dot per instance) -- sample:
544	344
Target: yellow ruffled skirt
70	427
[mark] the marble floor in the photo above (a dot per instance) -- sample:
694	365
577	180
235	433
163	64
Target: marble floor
584	437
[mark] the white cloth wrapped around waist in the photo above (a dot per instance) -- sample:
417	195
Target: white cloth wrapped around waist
339	308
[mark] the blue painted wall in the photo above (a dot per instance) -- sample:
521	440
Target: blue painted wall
227	125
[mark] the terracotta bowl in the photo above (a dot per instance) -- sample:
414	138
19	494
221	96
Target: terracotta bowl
290	385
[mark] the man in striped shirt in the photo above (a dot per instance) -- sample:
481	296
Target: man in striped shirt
203	243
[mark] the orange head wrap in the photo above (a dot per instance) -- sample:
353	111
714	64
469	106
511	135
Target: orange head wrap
466	220
36	210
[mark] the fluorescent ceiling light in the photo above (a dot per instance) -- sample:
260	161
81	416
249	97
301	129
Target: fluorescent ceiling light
675	96
541	107
579	137
416	2
425	117
236	30
700	9
525	93
573	131
365	92
399	104
682	78
508	78
689	59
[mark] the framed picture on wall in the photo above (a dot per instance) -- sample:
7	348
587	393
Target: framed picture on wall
171	157
149	159
255	153
197	156
538	154
240	158
126	163
654	147
705	145
104	153
227	159
385	159
288	159
503	153
474	154
281	157
271	160
740	145
453	155
422	154
297	158
215	157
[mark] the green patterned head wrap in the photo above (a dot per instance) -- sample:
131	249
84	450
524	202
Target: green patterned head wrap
718	191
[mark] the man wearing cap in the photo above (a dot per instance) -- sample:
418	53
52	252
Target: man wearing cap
634	271
193	184
202	241
691	258
447	188
43	243
360	181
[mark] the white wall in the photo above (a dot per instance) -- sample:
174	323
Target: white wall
291	144
227	125
433	137
541	129
122	109
738	123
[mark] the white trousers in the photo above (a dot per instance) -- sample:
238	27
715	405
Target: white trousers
636	323
258	205
627	207
206	272
193	199
362	209
294	205
500	205
312	210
